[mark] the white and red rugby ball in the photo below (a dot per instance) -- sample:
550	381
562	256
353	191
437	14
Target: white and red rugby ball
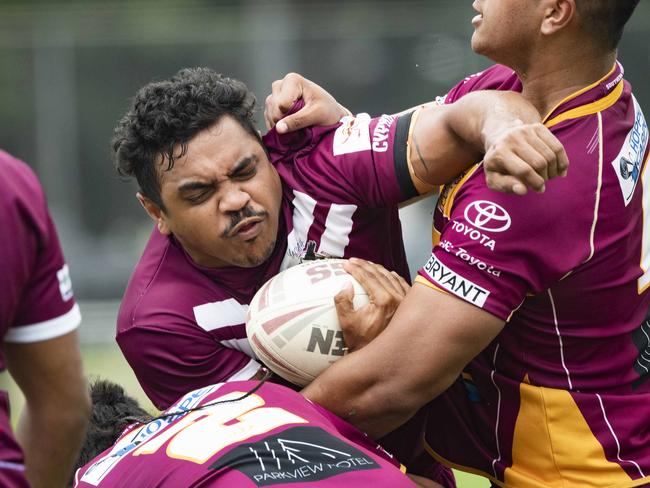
292	323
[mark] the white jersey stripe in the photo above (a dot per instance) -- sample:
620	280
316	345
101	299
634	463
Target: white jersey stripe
303	218
242	345
618	445
215	315
46	330
247	372
559	336
337	230
600	184
496	426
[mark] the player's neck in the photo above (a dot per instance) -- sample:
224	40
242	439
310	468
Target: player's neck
550	79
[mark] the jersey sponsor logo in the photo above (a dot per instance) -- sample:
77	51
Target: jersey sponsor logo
296	455
353	135
455	283
128	443
488	216
627	164
65	283
381	133
473	234
463	254
614	82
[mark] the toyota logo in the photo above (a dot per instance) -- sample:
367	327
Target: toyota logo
487	216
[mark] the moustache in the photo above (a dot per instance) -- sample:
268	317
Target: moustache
237	217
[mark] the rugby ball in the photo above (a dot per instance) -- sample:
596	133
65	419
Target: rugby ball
292	324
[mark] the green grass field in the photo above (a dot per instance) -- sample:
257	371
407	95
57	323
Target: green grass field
106	361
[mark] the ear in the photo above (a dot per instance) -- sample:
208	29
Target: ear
155	212
557	15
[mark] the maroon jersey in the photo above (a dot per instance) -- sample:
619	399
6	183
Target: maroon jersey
560	397
181	326
37	301
274	437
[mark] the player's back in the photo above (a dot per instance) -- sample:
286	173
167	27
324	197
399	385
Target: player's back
270	437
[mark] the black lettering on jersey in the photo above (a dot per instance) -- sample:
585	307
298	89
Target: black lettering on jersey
324	343
641	339
297	455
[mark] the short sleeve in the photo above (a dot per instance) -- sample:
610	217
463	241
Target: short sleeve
497	77
153	354
495	249
361	161
39	301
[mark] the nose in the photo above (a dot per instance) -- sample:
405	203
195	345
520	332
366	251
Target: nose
234	200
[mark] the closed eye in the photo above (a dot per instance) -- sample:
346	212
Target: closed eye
245	169
198	196
246	174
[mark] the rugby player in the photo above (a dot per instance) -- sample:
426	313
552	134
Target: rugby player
38	321
241	433
232	209
537	353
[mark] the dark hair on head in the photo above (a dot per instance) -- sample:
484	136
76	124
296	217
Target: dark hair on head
112	411
604	20
164	117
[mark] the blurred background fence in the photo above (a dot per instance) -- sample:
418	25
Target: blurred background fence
68	69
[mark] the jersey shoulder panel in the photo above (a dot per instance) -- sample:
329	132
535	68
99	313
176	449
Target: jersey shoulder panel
497	77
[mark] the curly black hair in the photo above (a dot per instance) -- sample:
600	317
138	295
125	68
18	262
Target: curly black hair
164	116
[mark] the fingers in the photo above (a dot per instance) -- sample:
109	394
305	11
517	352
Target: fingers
401	282
305	117
562	160
524	157
343	301
510	164
283	95
320	107
505	184
382	287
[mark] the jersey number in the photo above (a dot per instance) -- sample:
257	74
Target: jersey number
201	434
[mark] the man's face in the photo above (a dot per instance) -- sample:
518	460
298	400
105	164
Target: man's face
504	29
222	198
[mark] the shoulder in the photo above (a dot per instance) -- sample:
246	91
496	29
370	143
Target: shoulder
21	190
497	77
163	289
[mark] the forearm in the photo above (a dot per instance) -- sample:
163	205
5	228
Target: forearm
417	357
51	435
57	406
381	386
477	117
366	400
446	140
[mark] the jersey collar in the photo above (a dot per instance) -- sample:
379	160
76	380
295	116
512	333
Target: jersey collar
588	100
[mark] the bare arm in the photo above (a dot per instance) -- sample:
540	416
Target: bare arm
501	128
519	151
412	361
53	423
